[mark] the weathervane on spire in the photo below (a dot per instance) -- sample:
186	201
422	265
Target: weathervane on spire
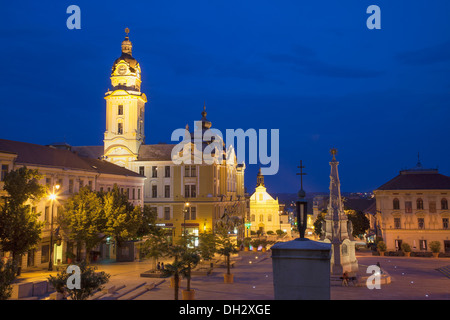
334	152
127	31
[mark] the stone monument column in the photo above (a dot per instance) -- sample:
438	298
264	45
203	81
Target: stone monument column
336	227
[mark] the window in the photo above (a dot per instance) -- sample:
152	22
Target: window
186	191
408	206
71	186
187	171
154	191
419	203
421	223
423	245
193	213
154	172
444	204
139	194
142	171
134	193
167	171
82	184
396	204
166	213
193	191
397	223
167	191
48	182
4	172
120	110
445	223
45	253
120	128
432	206
193	171
190	171
47	214
261	218
269	218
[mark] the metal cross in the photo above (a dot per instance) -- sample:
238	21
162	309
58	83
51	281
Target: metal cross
301	173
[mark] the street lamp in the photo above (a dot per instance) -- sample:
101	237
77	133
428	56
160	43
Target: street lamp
52	197
185	211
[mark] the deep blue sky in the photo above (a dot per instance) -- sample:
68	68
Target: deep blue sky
309	68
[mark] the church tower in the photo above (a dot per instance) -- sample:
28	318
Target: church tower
125	109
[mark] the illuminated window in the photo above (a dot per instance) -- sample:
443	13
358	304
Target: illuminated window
445	223
421	223
444	204
396	204
419	204
408	206
120	110
4	172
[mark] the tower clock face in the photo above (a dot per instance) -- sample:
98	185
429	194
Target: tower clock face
122	69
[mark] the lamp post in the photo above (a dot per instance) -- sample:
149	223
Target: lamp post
52	198
185	211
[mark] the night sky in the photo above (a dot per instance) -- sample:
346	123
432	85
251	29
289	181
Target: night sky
311	69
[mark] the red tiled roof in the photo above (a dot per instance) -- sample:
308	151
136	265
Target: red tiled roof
34	154
418	180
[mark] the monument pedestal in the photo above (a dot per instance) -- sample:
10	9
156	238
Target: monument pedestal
301	270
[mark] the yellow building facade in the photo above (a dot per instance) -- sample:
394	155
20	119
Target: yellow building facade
186	197
265	214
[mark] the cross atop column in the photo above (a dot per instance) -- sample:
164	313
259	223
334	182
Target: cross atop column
301	173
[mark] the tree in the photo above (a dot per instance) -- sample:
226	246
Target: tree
90	282
83	219
7	275
359	222
122	219
20	228
318	223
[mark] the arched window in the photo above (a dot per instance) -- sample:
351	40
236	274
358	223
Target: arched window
396	204
419	204
261	218
444	204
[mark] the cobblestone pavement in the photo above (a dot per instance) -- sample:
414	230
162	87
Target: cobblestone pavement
412	279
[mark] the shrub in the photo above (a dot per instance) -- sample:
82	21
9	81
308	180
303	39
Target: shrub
7	276
381	246
91	281
435	246
406	247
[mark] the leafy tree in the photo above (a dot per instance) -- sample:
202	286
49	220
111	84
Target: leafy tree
318	223
91	282
122	219
156	245
359	222
83	219
226	247
8	271
20	228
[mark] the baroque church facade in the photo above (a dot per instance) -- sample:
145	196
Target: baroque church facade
188	197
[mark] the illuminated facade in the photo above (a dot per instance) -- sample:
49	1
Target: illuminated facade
186	197
413	208
265	214
59	165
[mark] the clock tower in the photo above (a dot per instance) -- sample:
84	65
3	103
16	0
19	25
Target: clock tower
125	108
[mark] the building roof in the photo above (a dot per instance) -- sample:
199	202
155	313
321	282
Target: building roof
155	152
415	179
48	156
358	204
